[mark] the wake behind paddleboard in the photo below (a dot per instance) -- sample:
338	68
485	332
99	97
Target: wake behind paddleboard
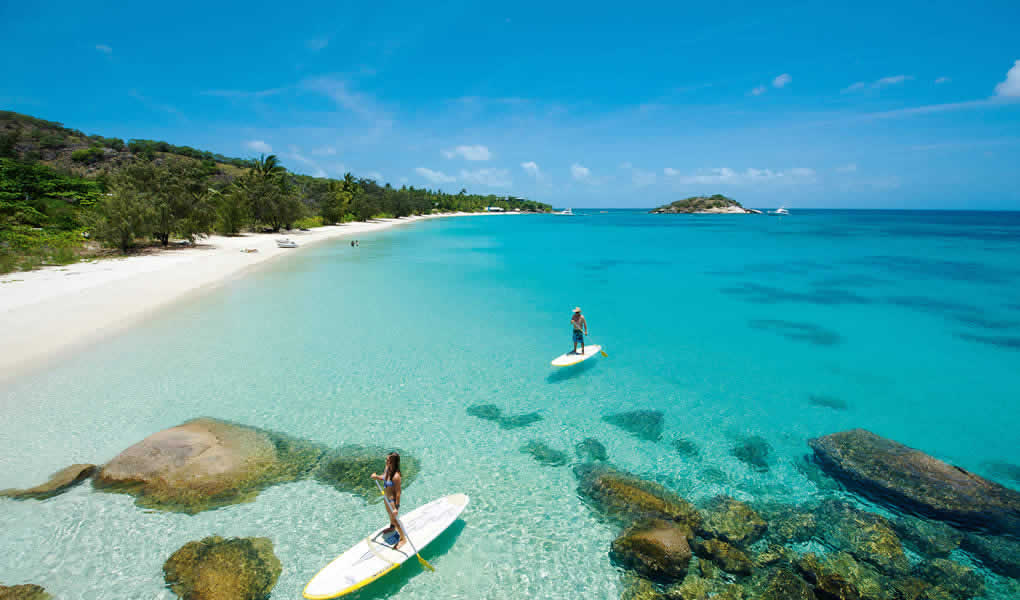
572	358
374	556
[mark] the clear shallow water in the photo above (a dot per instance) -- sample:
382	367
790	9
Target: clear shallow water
727	324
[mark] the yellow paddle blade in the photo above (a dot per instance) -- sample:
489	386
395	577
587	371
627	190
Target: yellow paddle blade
425	564
604	354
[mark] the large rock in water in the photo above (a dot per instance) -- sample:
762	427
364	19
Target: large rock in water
206	463
60	482
656	549
625	497
25	591
219	569
732	521
890	472
349	469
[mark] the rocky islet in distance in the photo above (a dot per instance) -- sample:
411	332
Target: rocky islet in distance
715	204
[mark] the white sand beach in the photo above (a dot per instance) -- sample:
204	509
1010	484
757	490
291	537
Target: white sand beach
50	311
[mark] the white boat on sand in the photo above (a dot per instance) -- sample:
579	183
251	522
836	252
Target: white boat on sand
286	243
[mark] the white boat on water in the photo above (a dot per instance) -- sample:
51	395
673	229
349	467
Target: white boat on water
286	243
568	212
779	211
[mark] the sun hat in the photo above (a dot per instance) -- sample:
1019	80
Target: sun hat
577	309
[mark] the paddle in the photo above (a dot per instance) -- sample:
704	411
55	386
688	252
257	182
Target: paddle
401	525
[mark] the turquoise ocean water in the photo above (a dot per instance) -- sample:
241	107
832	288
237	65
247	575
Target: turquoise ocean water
729	325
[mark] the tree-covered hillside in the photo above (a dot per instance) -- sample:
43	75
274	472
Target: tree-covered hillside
65	194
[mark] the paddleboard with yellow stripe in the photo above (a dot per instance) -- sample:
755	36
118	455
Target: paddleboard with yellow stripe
374	556
572	358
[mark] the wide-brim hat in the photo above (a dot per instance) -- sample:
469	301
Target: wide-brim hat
577	309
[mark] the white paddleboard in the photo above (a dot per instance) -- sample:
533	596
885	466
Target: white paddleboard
374	556
570	358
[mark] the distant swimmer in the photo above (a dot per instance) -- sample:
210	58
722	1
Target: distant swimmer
391	482
580	329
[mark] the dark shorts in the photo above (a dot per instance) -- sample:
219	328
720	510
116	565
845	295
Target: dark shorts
578	336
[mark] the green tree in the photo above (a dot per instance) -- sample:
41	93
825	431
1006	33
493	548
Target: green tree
231	211
122	217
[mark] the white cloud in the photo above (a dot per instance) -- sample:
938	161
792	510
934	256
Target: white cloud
435	176
259	146
477	152
878	83
1010	88
781	80
319	173
403	180
317	44
670	172
579	172
892	80
943	80
489	177
375	175
324	151
758	91
341	93
531	168
850	168
104	49
728	176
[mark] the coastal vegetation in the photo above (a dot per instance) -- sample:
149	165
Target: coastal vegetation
65	195
716	203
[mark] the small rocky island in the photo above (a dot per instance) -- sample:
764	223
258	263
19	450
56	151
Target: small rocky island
701	205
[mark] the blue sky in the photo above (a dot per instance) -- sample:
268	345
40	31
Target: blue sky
807	104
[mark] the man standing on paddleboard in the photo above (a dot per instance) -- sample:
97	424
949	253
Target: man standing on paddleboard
580	329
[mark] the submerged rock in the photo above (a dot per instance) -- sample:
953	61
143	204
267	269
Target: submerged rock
25	591
59	482
827	401
952	577
591	450
654	549
491	412
999	554
206	463
545	454
773	555
732	521
701	587
625	497
783	584
644	424
789	524
349	469
753	450
890	472
810	469
840	577
933	539
723	555
223	569
638	588
867	536
685	447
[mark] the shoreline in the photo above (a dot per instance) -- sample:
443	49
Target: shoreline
50	312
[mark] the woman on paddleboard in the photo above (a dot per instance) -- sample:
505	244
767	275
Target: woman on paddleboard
580	329
391	492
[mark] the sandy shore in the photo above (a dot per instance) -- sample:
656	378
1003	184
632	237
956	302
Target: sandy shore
51	311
